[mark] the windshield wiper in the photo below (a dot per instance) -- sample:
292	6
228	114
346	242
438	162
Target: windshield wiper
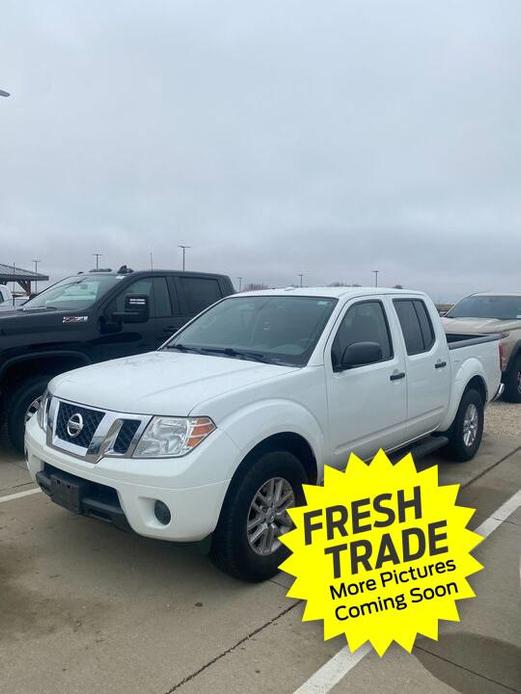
183	348
226	351
238	353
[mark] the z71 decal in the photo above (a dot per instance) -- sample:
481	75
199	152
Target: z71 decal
75	319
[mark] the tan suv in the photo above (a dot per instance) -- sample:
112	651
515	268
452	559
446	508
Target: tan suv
493	313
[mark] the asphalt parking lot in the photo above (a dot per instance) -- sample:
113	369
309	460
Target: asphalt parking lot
85	607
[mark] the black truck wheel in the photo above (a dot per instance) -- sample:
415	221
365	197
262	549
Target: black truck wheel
246	541
467	429
513	382
23	404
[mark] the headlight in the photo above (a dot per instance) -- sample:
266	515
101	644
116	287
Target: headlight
168	437
41	413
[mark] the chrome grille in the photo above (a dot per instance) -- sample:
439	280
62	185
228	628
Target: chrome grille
91	421
103	433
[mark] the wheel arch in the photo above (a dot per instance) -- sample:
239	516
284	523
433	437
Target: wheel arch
477	383
287	441
470	376
20	368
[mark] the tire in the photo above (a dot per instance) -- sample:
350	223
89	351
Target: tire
463	446
232	550
18	405
513	382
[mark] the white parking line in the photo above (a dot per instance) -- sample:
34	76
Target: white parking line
19	495
333	671
501	514
330	674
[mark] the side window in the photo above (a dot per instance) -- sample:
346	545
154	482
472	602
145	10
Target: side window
161	298
425	324
1	297
416	325
363	322
200	292
156	288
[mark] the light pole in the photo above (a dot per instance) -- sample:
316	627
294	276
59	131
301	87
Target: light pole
36	261
97	256
376	277
301	275
184	252
240	283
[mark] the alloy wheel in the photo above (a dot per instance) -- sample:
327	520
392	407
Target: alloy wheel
470	425
267	517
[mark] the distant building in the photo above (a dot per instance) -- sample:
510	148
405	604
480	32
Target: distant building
11	273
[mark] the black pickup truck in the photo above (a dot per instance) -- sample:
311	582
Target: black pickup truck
88	318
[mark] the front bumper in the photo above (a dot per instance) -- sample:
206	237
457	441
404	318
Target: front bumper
136	485
97	501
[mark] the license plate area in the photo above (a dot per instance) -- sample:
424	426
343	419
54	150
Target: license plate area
68	492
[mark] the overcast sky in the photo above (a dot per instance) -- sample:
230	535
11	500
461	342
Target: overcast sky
275	137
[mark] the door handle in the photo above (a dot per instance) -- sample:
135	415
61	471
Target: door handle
397	376
440	364
170	330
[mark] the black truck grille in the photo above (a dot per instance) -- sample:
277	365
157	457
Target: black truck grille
91	421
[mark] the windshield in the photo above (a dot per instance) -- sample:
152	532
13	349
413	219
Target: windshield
75	293
273	329
500	307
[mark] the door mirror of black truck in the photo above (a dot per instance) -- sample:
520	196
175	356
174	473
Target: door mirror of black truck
361	353
137	309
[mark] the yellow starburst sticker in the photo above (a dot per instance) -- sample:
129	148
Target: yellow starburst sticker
381	552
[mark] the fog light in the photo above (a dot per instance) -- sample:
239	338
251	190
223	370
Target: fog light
162	512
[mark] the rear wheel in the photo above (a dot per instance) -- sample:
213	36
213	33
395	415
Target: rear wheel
467	429
24	404
513	382
246	542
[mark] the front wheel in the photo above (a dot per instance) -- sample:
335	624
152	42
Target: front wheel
24	404
467	429
246	542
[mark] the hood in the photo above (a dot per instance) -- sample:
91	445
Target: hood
479	325
19	312
163	383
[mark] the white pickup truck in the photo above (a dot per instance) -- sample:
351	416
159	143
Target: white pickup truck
214	433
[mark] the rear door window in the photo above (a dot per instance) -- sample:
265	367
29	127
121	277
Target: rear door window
199	292
425	324
416	325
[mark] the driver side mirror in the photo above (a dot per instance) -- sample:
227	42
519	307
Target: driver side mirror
360	354
137	309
